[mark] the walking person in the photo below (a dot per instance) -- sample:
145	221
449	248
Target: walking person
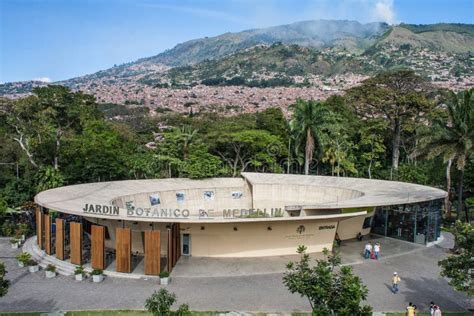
410	310
436	311
368	250
431	310
395	283
377	248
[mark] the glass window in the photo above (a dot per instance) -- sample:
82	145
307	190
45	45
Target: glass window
367	222
208	195
236	195
180	196
155	199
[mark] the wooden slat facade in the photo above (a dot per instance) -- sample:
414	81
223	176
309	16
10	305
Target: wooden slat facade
170	250
174	245
39	228
152	252
123	248
47	234
98	247
76	243
60	239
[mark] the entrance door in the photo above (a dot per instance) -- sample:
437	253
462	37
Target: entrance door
186	245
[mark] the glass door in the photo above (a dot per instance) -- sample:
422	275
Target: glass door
186	245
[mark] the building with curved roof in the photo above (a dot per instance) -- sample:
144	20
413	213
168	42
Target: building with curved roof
251	216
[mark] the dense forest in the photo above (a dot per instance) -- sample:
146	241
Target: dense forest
393	126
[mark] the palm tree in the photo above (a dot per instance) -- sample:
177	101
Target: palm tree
187	135
309	118
453	138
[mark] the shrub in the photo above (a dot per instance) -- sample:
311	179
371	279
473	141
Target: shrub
4	283
164	274
23	257
32	262
183	310
14	241
79	270
8	228
97	272
51	268
159	303
21	229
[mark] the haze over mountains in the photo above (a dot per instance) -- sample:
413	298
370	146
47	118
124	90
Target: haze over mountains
254	69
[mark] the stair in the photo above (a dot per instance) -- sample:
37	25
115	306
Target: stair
66	268
62	267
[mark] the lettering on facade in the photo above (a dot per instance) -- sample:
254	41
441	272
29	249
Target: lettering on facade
327	227
300	229
110	210
252	213
158	213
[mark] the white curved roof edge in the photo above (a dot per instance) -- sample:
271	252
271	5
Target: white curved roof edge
71	199
375	192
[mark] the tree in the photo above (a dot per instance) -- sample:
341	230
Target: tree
337	147
48	178
453	139
201	164
371	143
256	148
459	267
4	283
330	289
273	120
40	122
159	303
398	96
309	118
186	135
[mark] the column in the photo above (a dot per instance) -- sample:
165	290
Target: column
152	252
98	247
60	239
47	233
76	243
123	248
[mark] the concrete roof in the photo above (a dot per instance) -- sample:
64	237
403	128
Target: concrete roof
71	199
374	192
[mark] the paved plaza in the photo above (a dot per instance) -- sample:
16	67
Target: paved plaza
244	285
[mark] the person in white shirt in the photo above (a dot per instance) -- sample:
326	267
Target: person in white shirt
368	250
377	250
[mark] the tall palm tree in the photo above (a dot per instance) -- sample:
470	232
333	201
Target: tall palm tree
309	118
453	138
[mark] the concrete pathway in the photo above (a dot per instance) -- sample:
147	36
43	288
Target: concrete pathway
417	267
350	251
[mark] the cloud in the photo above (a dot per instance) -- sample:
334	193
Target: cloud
43	79
384	11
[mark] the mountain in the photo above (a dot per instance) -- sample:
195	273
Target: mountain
451	38
441	49
310	59
317	34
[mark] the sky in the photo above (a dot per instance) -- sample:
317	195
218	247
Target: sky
54	40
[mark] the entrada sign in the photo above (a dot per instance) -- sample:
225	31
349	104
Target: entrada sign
101	209
327	227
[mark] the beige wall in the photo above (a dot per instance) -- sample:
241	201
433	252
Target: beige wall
349	228
255	240
251	239
193	199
